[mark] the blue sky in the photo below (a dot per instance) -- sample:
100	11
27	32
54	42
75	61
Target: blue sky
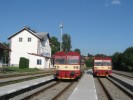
95	26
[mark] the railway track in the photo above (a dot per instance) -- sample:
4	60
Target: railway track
50	90
113	91
61	92
53	92
12	80
124	75
20	74
26	92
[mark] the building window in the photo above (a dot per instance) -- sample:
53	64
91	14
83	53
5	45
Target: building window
29	39
20	39
39	61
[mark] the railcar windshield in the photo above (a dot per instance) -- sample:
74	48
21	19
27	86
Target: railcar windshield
98	63
102	63
73	59
60	60
106	62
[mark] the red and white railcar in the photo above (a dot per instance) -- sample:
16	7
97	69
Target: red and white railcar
102	66
67	65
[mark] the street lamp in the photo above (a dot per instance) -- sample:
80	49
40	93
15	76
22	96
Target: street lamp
61	29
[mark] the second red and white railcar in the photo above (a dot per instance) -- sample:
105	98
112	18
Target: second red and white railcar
102	66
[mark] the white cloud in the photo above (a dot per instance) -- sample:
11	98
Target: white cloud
116	2
112	2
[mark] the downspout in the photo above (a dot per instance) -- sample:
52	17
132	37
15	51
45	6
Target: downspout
38	47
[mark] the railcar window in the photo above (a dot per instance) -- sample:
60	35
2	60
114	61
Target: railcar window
73	61
106	64
60	61
98	63
102	63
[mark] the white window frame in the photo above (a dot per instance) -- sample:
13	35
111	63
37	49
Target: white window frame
39	61
29	39
20	39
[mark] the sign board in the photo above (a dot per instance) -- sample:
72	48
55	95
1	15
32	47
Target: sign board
47	54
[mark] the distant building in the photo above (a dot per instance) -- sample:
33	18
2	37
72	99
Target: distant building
2	49
31	45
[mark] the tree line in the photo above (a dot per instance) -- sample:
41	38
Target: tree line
123	61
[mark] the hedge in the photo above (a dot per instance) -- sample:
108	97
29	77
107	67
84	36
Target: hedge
23	63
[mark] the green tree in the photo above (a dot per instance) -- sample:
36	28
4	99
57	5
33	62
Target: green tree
6	53
89	62
128	58
117	61
66	44
55	44
123	61
90	55
77	50
100	55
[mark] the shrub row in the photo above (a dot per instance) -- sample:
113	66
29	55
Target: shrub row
23	63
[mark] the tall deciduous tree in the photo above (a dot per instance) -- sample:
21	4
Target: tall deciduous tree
55	44
128	58
66	44
90	55
77	50
100	55
6	53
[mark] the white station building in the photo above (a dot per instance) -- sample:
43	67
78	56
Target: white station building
31	45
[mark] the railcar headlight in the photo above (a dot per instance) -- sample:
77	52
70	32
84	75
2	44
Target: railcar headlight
96	67
75	67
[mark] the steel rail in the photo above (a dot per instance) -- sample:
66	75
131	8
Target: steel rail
127	76
62	92
106	90
21	92
21	74
40	91
12	81
130	94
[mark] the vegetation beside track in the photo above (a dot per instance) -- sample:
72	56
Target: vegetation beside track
8	70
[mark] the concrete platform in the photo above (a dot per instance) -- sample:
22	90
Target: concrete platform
85	90
22	85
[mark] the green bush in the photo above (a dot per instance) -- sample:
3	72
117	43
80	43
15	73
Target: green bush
23	63
89	62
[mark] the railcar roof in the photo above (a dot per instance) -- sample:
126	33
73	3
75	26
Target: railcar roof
61	53
102	58
73	53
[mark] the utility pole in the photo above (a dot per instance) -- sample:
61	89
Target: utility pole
61	30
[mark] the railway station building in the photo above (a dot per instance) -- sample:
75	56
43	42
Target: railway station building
31	45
